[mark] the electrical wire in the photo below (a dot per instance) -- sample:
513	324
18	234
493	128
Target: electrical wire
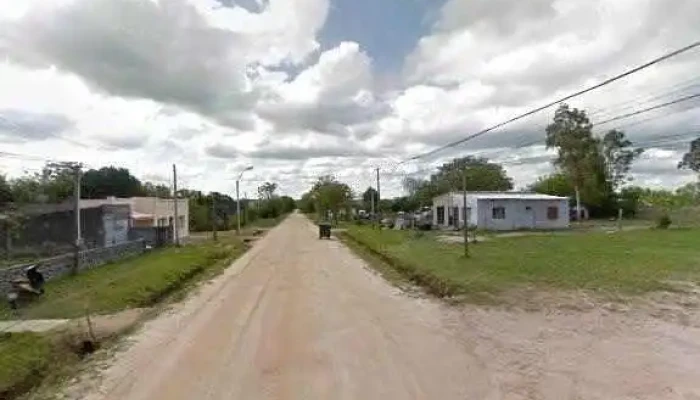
558	101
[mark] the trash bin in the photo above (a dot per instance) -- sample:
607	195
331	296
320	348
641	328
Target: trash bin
324	230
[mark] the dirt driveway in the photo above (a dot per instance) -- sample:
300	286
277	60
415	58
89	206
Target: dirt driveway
299	318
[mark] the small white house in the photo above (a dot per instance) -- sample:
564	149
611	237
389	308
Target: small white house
501	211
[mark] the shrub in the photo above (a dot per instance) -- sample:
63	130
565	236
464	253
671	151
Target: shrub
663	222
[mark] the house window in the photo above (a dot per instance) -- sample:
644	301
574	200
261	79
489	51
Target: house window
552	212
455	216
441	215
498	213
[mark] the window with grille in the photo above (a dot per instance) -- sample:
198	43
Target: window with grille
498	213
552	212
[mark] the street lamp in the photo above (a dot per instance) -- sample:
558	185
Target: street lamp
238	201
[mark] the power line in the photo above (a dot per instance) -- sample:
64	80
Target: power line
558	101
631	114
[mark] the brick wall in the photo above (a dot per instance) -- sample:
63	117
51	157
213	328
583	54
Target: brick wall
55	267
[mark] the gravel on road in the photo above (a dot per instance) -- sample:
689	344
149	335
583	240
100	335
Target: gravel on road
302	318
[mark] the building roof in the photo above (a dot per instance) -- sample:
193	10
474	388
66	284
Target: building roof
507	196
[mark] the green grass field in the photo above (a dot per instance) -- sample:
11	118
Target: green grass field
629	262
135	282
25	358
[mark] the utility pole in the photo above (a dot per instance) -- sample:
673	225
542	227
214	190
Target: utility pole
464	211
238	209
372	208
213	215
245	210
76	211
175	200
238	200
578	205
378	196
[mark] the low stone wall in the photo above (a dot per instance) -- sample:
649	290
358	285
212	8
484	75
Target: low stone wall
55	267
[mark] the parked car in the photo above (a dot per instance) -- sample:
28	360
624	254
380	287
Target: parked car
387	223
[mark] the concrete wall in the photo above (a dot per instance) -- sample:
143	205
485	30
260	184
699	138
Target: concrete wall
49	229
522	214
450	200
164	209
55	267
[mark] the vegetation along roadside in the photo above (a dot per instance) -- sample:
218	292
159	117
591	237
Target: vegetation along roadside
627	263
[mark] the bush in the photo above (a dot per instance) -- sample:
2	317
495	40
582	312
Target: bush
663	222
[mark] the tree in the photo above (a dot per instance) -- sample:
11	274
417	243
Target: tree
156	190
288	204
331	195
369	197
618	155
556	184
691	159
481	174
5	191
110	181
267	190
629	200
54	184
579	157
307	203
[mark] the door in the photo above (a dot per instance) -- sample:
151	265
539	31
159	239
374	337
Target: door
527	218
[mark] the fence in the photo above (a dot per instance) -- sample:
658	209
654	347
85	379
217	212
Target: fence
54	267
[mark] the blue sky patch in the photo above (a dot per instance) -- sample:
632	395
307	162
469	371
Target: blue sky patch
388	30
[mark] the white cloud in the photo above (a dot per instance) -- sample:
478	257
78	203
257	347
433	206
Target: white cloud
145	84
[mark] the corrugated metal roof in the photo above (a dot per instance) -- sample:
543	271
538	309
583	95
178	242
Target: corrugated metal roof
508	196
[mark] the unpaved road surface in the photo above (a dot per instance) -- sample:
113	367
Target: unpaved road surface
300	318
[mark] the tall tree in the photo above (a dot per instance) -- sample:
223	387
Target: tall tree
331	195
482	175
5	191
618	154
579	156
691	159
267	190
368	197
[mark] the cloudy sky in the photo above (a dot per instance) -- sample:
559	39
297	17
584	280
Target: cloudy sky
300	88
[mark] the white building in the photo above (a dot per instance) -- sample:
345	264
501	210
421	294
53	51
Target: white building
150	211
502	211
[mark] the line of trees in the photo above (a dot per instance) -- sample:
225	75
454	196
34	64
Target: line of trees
54	184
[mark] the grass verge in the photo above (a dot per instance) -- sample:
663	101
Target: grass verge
631	262
24	359
27	359
132	283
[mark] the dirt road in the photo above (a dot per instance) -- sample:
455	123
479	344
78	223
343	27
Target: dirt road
299	318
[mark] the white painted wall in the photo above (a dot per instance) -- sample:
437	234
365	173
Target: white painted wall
520	213
451	200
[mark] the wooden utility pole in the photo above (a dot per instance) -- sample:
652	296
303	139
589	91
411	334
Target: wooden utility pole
76	211
213	216
176	223
371	200
464	204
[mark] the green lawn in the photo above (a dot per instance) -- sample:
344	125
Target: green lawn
628	262
135	282
24	359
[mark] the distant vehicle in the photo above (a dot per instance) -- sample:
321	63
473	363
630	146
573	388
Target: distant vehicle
387	223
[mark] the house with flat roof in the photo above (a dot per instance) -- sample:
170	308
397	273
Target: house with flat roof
501	211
